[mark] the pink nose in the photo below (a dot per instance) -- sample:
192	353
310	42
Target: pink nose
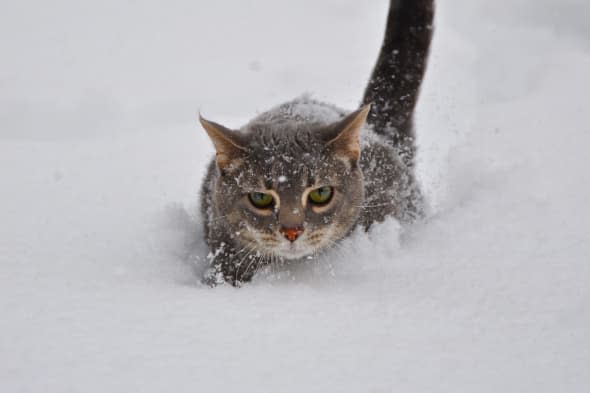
292	233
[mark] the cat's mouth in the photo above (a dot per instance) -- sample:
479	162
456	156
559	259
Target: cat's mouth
278	245
311	243
293	250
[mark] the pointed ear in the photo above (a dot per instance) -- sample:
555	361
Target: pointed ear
344	136
227	142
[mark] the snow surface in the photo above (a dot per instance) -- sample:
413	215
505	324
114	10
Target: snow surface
101	161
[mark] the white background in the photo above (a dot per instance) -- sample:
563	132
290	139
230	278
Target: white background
100	167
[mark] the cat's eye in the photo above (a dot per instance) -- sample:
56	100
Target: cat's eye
261	200
321	195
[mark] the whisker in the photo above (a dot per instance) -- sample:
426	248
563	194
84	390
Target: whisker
251	248
371	206
252	260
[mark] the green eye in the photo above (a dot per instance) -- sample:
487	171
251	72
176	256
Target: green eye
260	199
321	195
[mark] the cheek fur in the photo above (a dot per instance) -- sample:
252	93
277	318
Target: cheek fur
259	228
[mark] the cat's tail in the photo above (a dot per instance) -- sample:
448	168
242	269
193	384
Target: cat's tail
395	83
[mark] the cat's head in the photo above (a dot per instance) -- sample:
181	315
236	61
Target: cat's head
288	189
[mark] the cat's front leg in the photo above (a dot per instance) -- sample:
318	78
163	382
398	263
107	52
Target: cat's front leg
231	264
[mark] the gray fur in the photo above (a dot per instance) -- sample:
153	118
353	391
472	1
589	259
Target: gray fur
287	151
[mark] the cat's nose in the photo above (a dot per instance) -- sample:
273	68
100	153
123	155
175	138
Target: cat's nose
291	233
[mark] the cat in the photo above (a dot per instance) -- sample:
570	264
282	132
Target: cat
300	177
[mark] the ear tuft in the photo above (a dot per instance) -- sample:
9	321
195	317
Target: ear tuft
344	136
227	142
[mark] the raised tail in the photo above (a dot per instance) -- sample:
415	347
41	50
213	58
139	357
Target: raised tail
395	83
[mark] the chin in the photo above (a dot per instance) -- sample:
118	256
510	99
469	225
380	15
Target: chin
293	251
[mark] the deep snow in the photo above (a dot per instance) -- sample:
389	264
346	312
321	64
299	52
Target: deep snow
101	160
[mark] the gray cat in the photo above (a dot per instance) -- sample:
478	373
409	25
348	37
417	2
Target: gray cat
297	179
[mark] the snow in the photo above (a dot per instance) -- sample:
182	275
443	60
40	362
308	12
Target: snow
101	161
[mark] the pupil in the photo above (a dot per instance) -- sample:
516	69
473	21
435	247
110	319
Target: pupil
321	195
260	199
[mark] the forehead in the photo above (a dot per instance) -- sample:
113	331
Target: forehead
288	154
285	171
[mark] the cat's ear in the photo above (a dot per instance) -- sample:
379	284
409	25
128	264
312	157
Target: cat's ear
227	143
344	136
